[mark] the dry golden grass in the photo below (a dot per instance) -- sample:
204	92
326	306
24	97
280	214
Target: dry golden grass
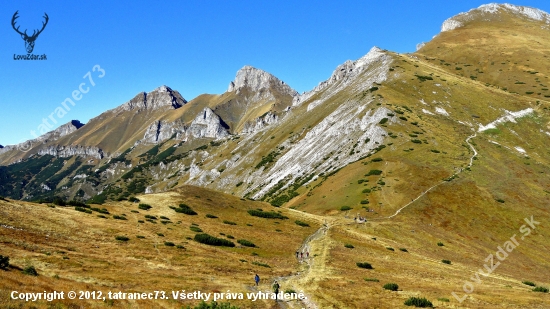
82	251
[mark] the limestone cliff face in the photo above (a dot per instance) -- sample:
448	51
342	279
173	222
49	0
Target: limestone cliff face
162	98
160	131
347	72
51	136
68	151
260	123
207	124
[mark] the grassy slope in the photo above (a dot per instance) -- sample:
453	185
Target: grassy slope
53	240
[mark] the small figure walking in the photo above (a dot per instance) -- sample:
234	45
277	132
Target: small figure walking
257	279
301	255
297	254
307	254
276	289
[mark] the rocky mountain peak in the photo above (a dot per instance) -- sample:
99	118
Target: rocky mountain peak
257	80
162	97
487	12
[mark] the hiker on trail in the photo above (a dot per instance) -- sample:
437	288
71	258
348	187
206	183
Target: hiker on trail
257	279
297	254
307	254
301	255
276	289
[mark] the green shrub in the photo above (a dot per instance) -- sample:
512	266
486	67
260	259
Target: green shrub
390	248
261	264
211	216
419	302
416	141
246	243
500	200
122	238
403	249
140	237
383	120
374	172
30	270
443	299
435	151
267	215
391	286
185	209
364	265
230	236
119	217
290	291
4	262
82	209
350	246
364	202
446	262
145	206
133	199
160	234
229	222
301	223
372	280
151	217
529	283
344	208
169	244
440	244
213	241
540	289
366	191
195	229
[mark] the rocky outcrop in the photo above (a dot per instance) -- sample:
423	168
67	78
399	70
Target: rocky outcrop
208	124
160	130
163	98
68	151
347	72
257	80
487	12
260	123
51	136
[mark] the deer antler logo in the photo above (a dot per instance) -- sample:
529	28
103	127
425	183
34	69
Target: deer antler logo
29	40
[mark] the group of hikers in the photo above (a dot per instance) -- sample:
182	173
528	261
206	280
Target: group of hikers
276	285
300	255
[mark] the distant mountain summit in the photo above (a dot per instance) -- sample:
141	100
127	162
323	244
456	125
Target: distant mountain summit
162	97
492	12
257	80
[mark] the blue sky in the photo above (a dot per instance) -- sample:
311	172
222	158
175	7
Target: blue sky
194	47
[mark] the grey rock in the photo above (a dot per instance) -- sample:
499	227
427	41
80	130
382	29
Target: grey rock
257	80
260	123
208	124
161	98
160	131
68	151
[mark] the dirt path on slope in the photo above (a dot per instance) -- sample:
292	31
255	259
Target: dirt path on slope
436	185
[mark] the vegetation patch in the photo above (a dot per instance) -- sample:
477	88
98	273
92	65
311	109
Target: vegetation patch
364	265
4	262
529	283
185	209
372	280
391	286
419	302
213	241
122	238
229	222
540	289
446	262
266	214
301	223
145	206
246	243
30	270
